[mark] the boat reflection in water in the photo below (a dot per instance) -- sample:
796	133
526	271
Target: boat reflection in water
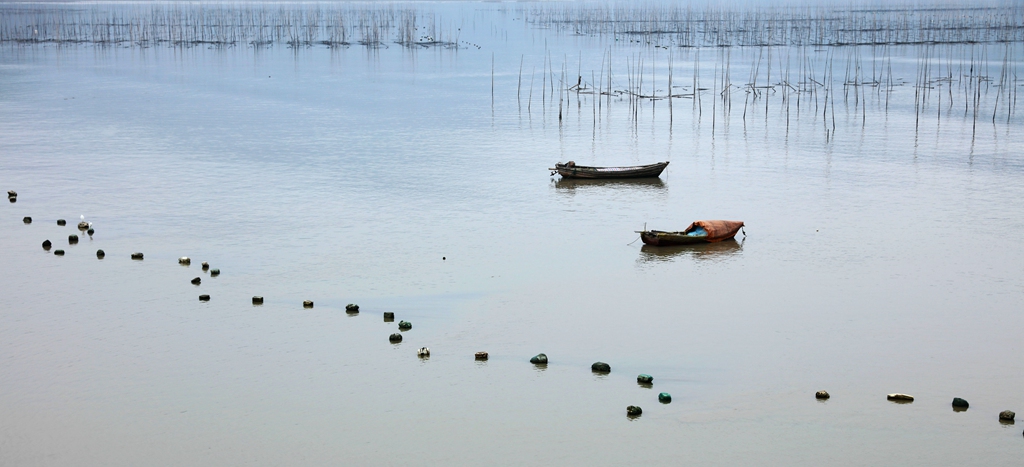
718	251
571	185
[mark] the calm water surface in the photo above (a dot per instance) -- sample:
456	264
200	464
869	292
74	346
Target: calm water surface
879	260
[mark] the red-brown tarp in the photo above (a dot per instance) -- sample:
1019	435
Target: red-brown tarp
717	230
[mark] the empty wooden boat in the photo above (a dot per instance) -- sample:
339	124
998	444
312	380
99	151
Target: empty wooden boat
571	170
697	232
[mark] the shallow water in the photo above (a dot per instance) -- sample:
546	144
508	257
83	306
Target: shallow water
881	259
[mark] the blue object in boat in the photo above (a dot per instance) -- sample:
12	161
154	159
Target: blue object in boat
698	232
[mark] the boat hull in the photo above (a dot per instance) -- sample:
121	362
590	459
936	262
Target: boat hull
639	171
712	231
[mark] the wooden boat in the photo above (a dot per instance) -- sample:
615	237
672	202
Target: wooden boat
697	232
571	170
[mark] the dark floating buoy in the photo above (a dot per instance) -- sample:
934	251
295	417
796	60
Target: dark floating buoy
214	272
352	308
196	281
645	379
423	352
634	411
1006	416
396	337
90	231
821	395
443	258
257	300
601	367
72	239
46	245
539	359
27	220
62	222
404	325
13	200
83	226
100	254
901	398
58	252
12	194
136	255
480	356
307	304
204	298
206	266
960	403
184	261
389	316
665	398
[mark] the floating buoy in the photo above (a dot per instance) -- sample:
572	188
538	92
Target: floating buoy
72	239
960	403
62	222
214	272
389	316
352	308
423	352
396	337
404	325
307	304
539	359
58	252
12	194
480	356
601	367
196	281
204	298
1007	415
184	260
634	411
100	254
257	300
821	395
83	226
645	379
665	398
897	397
90	231
46	245
27	220
206	266
136	255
